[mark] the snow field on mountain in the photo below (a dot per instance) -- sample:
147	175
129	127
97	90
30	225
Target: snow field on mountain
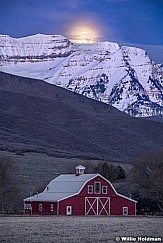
123	77
36	45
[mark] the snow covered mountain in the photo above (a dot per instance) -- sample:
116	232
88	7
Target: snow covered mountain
124	77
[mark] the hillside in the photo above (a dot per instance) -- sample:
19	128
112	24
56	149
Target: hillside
154	118
40	117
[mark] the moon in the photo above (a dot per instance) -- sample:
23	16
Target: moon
83	33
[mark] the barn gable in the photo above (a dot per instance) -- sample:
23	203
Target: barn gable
116	193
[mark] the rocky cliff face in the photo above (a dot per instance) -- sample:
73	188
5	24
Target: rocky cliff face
33	48
124	77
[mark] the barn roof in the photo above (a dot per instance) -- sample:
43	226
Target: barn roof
65	186
62	187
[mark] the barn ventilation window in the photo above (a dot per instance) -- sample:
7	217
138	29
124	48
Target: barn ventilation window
104	189
90	189
97	187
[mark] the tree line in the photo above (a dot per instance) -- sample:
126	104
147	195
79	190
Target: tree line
108	170
147	174
9	192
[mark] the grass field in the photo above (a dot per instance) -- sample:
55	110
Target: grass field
77	229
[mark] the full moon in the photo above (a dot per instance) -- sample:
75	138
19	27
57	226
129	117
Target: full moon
83	33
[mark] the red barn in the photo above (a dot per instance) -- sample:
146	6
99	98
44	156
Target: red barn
79	194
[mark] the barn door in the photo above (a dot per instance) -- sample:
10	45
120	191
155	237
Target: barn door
91	206
97	206
103	206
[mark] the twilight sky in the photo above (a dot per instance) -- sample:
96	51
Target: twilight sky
134	22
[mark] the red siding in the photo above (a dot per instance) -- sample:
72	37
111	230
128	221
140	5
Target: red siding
46	208
103	204
77	204
117	203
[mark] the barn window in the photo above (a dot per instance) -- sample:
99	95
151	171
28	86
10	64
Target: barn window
125	210
104	189
27	206
40	207
51	207
97	187
90	189
68	210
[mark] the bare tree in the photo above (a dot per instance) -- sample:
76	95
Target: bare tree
110	171
147	172
8	185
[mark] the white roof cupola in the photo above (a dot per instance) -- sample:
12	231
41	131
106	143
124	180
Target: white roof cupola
79	170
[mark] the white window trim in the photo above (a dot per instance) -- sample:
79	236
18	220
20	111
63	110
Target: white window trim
40	207
27	206
95	187
51	207
103	189
124	208
90	186
67	211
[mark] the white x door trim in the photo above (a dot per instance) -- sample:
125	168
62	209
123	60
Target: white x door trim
104	206
97	205
91	206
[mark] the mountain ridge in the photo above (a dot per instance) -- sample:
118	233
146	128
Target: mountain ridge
123	77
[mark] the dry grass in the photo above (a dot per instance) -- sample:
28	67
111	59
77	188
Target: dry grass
76	229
